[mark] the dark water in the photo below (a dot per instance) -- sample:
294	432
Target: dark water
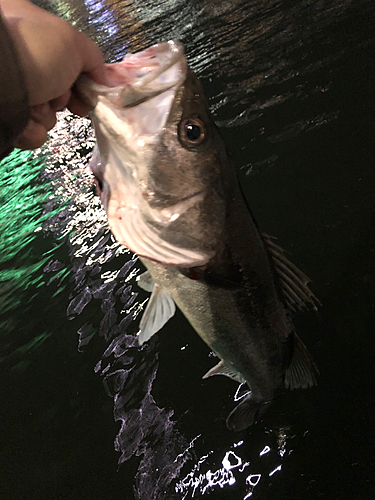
92	416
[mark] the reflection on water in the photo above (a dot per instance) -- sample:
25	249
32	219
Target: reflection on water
21	216
236	468
289	85
23	199
102	279
227	475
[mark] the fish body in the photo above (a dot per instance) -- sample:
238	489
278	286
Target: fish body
172	196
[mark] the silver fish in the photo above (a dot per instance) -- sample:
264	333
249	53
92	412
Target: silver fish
172	196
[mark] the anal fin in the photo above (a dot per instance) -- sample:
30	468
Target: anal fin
302	372
247	413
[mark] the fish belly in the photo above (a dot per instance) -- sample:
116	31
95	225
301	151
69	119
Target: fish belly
230	331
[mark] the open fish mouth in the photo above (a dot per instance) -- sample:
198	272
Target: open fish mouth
138	76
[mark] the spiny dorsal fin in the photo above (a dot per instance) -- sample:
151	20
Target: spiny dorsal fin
293	281
302	372
223	369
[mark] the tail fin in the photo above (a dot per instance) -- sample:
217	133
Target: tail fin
246	413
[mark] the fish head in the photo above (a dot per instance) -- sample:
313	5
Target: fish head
158	161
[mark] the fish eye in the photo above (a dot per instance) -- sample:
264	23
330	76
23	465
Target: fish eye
192	132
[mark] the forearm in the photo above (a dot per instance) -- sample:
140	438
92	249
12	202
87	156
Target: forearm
14	109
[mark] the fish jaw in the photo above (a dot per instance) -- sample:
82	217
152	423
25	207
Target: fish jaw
138	76
133	113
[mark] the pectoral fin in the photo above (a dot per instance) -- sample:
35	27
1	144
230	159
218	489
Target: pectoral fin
146	282
223	369
159	310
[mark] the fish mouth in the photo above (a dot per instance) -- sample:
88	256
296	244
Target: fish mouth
166	68
138	77
132	108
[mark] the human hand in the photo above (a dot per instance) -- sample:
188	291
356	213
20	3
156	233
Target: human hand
53	54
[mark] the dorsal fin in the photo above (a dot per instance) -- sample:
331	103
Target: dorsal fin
302	372
293	282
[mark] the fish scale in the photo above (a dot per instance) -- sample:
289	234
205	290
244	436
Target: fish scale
172	196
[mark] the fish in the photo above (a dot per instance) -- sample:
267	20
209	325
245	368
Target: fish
172	196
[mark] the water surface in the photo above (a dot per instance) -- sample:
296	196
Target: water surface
87	414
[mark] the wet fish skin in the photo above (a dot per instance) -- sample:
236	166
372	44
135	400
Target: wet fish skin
233	302
233	305
231	282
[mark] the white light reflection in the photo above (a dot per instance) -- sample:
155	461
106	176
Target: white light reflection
102	16
281	441
181	455
239	396
227	463
265	450
275	470
205	477
202	483
244	465
253	479
251	482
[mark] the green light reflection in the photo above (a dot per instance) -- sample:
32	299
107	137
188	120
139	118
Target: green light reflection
22	200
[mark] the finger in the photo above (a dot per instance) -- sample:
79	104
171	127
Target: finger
43	114
61	102
33	136
98	74
77	106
